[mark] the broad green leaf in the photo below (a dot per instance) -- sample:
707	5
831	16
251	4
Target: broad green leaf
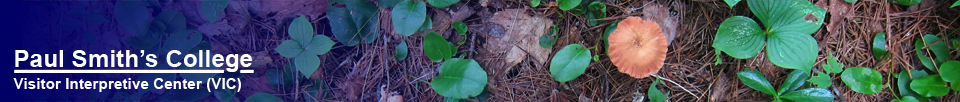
851	1
212	9
821	80
132	16
174	21
794	80
731	3
903	83
459	78
950	70
955	86
880	45
321	44
356	23
547	41
933	44
401	50
568	4
906	2
832	65
388	3
436	48
460	27
755	80
408	16
442	3
655	94
955	4
809	95
793	51
263	97
906	99
596	10
788	17
930	86
184	94
568	63
534	3
300	30
740	37
307	63
862	79
427	24
289	49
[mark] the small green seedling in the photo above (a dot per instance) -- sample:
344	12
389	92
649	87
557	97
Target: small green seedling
408	16
459	78
596	10
534	3
931	43
862	80
547	41
401	50
880	46
822	80
570	62
263	97
436	48
460	27
787	34
788	90
356	23
442	3
304	47
903	83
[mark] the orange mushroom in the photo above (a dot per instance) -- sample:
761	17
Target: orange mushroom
638	47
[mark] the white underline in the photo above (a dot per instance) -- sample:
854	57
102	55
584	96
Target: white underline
124	71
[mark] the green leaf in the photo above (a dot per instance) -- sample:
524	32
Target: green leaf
794	80
930	86
850	1
606	34
356	23
906	99
460	27
821	80
596	10
810	95
321	44
263	97
906	2
753	79
788	17
436	48
460	78
880	45
862	79
300	30
307	63
731	3
740	37
832	65
442	3
569	62
903	83
132	16
401	50
427	24
955	4
955	86
534	3
388	3
939	49
289	49
453	50
212	9
174	21
793	51
949	70
655	94
547	41
566	5
408	16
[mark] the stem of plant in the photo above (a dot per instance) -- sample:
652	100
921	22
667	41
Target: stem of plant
675	83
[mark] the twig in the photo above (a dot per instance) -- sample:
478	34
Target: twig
675	83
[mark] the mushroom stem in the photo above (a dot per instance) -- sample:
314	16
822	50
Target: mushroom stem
675	83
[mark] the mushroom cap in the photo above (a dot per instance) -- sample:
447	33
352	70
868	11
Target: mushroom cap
638	47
